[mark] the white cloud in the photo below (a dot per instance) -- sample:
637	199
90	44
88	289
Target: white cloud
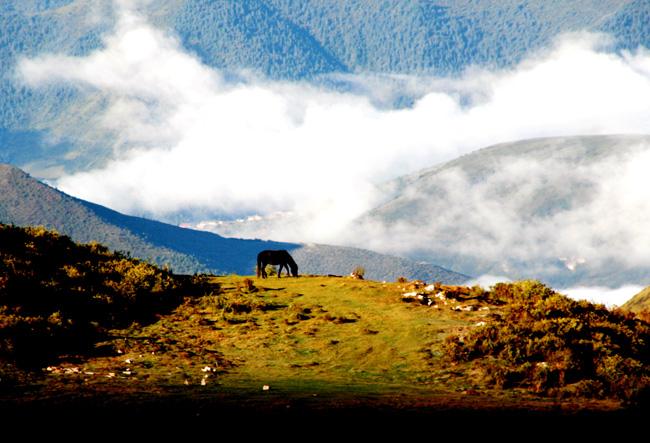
486	281
609	297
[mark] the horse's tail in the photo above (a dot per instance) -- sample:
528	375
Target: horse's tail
260	261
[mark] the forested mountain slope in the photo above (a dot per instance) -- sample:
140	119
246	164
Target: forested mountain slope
446	36
294	39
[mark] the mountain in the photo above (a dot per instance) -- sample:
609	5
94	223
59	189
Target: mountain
26	201
314	41
563	210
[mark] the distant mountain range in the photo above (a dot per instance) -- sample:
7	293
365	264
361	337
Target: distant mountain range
25	201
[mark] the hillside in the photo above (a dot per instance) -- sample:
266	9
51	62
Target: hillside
447	36
58	296
26	201
92	335
639	302
541	209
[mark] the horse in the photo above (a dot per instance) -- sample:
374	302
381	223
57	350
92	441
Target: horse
281	258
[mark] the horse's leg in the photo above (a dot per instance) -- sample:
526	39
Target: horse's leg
280	269
263	267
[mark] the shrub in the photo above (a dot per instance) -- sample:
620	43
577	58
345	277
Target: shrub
558	346
56	295
477	291
644	315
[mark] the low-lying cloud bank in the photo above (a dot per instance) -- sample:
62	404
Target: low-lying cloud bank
583	207
609	297
189	138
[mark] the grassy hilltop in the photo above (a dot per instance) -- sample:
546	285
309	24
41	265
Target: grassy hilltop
91	333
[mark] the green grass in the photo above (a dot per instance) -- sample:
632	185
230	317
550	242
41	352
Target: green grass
307	343
331	328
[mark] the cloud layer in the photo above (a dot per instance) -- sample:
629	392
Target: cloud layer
578	207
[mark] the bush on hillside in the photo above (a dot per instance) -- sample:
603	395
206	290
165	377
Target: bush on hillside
556	346
57	296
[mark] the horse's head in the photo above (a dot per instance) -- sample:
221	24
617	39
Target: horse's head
294	269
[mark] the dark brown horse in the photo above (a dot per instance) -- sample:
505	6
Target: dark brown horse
281	258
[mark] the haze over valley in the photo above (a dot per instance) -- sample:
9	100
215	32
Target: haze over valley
516	153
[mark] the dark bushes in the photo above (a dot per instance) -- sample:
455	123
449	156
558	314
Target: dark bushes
557	346
57	296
